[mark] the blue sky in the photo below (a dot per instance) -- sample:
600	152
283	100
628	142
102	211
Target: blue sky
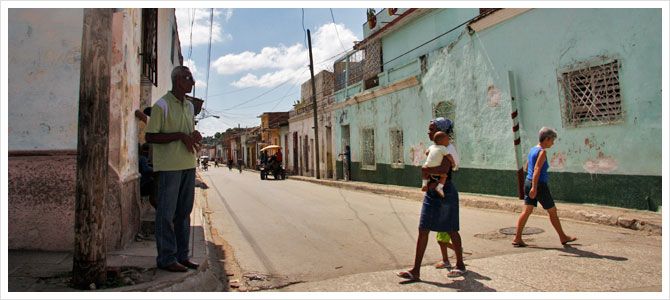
260	50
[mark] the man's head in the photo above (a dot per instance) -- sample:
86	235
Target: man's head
547	136
441	138
182	79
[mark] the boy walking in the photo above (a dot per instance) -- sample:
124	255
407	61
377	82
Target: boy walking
536	188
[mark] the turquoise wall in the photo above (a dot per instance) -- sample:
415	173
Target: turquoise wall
421	30
471	73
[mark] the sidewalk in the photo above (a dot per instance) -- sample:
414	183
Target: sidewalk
43	271
646	221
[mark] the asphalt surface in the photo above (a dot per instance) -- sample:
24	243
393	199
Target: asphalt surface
289	235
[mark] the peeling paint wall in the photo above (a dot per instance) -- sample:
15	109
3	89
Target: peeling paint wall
470	71
44	60
44	57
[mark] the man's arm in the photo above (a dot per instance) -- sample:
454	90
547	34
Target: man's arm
164	138
536	173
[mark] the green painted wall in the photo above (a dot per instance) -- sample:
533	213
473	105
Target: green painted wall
616	164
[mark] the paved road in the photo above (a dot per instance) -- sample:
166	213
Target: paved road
300	236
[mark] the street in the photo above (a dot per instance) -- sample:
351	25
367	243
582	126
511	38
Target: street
289	235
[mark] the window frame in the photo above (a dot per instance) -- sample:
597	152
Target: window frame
394	148
568	120
364	163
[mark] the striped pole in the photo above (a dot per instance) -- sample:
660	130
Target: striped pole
517	135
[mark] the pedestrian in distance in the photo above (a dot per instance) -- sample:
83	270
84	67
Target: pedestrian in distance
438	213
172	131
536	188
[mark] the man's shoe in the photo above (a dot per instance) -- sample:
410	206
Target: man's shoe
189	264
175	267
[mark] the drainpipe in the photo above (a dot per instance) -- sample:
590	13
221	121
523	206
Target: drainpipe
517	135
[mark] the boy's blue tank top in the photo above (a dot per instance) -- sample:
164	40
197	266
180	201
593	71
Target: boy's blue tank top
532	159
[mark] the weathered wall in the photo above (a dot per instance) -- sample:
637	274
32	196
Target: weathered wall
44	60
588	164
40	192
44	53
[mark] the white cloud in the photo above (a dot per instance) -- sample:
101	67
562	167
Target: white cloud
272	79
289	60
194	24
229	13
210	126
196	74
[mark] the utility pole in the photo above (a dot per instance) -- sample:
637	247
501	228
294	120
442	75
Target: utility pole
316	127
89	261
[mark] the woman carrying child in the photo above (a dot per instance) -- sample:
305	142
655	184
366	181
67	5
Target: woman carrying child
438	213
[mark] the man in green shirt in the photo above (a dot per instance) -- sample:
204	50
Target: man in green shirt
171	129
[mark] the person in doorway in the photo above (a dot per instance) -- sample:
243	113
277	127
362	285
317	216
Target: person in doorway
148	184
172	131
536	188
439	214
347	163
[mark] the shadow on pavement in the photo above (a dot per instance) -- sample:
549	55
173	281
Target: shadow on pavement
570	249
469	282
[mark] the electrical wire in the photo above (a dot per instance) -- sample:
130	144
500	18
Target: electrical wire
338	34
190	43
303	25
435	38
209	53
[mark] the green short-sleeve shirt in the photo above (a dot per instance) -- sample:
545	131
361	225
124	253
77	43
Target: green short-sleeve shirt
169	115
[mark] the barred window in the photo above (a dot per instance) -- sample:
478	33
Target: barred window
397	154
150	44
368	145
591	93
446	109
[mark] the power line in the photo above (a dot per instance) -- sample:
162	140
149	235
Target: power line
338	34
257	97
303	25
190	44
435	38
209	52
230	92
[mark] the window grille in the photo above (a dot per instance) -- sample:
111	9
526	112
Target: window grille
591	93
150	44
356	67
368	150
446	109
397	155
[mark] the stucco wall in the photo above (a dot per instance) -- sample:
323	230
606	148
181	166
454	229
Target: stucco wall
44	54
471	73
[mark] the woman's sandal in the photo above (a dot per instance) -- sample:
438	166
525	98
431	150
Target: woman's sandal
407	275
456	273
443	265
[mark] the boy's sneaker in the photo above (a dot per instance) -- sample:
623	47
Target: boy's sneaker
440	192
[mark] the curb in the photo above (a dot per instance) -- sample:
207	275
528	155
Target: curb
201	280
617	217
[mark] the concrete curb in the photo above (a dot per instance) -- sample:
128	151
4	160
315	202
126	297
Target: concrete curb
201	280
648	222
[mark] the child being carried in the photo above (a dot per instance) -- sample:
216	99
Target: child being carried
435	154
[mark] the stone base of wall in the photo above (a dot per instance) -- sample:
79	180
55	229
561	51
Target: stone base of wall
626	191
41	196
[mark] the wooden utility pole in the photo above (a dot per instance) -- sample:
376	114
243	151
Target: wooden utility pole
316	126
89	262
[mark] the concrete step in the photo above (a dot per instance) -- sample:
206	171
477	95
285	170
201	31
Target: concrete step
148	222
